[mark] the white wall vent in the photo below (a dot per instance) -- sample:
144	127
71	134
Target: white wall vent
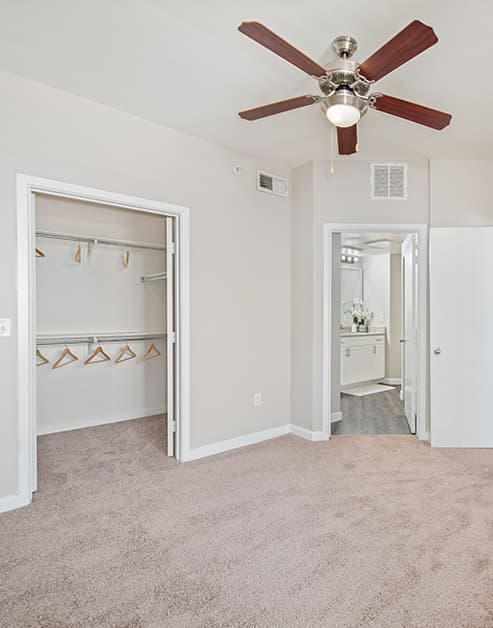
388	181
272	184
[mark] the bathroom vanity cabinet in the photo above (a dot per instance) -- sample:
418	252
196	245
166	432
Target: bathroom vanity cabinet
362	357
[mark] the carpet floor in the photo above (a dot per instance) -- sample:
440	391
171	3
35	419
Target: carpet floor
379	531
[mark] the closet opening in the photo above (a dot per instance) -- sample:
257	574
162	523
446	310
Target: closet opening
106	314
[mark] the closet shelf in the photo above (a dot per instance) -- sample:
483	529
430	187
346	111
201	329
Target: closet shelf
154	277
77	339
73	237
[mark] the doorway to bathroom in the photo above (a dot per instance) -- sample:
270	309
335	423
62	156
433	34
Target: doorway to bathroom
375	329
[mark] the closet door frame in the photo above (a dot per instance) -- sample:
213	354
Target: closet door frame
27	188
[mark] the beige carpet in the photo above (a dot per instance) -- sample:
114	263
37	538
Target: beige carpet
362	531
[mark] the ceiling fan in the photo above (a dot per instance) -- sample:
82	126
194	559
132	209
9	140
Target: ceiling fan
345	84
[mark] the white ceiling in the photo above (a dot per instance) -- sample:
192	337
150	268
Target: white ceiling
373	243
182	63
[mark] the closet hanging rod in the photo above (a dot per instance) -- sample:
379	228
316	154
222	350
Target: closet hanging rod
67	339
74	237
154	277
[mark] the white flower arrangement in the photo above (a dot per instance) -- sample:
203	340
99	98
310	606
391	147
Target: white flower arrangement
359	314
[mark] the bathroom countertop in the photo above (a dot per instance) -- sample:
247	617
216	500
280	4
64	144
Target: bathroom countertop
347	334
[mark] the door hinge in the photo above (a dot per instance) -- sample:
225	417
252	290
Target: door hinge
173	426
173	336
172	248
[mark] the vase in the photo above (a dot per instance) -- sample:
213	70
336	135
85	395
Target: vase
354	328
363	329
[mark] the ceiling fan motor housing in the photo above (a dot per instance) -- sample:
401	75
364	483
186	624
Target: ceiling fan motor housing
344	46
343	85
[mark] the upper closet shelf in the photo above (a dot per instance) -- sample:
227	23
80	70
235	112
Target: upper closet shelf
72	339
73	237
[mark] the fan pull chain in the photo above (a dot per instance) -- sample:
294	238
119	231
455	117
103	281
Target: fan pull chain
331	144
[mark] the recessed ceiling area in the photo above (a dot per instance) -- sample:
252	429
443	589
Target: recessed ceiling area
185	65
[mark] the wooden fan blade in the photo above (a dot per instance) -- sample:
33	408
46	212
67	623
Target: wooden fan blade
265	37
347	139
410	42
277	107
413	112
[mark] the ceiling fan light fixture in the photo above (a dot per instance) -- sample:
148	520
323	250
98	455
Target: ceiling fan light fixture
343	115
343	109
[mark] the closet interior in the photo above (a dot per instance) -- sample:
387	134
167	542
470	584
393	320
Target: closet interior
104	300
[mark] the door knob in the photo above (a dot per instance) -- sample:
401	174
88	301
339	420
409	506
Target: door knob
402	340
437	350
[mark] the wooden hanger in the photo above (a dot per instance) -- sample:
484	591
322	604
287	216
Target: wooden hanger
39	253
152	352
66	354
126	258
125	354
78	255
43	358
98	351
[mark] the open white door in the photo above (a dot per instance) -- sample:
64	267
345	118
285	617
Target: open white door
409	335
461	365
170	334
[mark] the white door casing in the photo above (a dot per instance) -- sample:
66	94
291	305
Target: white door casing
461	300
409	330
170	334
328	344
27	187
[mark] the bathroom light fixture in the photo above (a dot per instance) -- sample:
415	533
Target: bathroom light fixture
350	254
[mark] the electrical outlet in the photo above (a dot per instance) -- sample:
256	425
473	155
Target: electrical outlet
257	399
5	327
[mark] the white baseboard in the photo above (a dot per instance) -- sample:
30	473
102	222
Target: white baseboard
302	432
9	502
234	443
426	437
81	423
336	416
392	381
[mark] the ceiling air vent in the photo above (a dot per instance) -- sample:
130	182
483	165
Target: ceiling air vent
389	181
270	183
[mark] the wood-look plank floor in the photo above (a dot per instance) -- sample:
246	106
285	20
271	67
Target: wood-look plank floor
382	413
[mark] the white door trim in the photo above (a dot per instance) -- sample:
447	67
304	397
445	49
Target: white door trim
421	231
27	187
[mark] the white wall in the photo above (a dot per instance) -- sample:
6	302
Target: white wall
302	297
460	192
240	249
98	296
376	288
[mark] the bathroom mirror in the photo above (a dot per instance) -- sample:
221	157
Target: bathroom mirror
351	288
